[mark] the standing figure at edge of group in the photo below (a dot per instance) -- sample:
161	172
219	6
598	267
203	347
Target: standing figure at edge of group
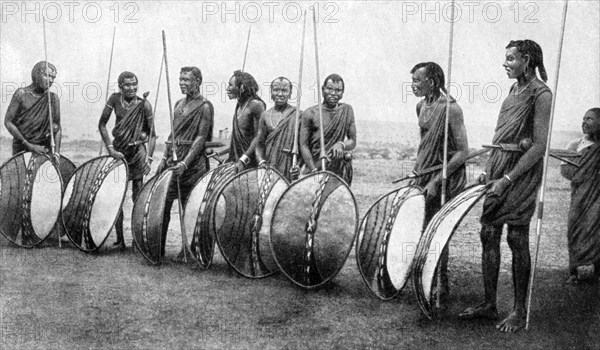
248	110
339	131
428	82
515	179
193	126
27	114
583	229
132	130
276	131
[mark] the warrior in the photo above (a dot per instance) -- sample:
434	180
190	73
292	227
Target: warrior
428	82
192	127
339	130
27	115
248	110
133	128
276	131
514	178
583	232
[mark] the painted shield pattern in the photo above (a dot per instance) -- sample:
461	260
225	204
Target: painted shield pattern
30	198
388	238
313	228
239	214
92	200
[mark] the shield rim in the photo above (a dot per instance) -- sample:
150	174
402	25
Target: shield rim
359	238
420	260
120	203
202	178
356	229
59	217
154	262
213	223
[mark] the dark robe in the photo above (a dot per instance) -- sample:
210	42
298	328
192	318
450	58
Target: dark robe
187	126
243	133
431	153
33	123
584	220
515	122
129	125
341	117
279	138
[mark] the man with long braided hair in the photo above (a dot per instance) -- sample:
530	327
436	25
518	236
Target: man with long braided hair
248	109
515	179
428	82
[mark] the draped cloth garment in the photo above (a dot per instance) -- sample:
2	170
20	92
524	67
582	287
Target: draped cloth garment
515	122
33	123
584	220
129	125
279	138
341	117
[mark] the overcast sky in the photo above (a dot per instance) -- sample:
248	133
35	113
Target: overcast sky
373	45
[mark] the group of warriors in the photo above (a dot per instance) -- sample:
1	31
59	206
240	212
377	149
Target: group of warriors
266	139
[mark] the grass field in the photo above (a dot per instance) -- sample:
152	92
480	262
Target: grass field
64	298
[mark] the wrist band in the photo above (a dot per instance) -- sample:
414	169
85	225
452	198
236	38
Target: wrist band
150	159
508	178
262	162
110	146
184	164
343	145
244	159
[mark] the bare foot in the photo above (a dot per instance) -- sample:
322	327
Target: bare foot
512	323
483	310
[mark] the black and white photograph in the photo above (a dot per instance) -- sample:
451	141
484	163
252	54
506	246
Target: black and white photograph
353	174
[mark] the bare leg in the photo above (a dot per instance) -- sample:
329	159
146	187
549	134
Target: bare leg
119	228
518	240
490	264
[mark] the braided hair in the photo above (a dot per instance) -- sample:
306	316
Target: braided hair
534	51
247	87
434	72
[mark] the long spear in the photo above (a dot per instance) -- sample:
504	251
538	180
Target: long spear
52	142
112	48
246	51
297	122
174	151
446	123
540	216
323	156
162	62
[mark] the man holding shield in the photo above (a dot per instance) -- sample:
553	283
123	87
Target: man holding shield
133	128
27	115
339	130
192	127
248	110
276	128
428	82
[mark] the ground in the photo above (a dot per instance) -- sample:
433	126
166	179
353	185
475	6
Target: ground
59	298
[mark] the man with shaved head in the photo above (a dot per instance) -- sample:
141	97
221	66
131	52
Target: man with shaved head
276	127
339	131
27	115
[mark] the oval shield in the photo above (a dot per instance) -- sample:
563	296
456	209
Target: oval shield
92	200
313	228
387	240
435	238
148	216
239	211
30	198
196	214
